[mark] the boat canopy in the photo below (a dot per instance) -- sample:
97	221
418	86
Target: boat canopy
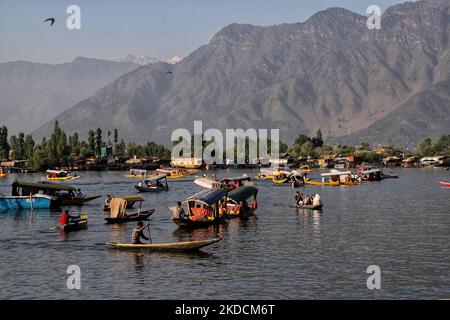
336	173
157	178
370	171
241	178
208	183
42	186
138	171
208	197
131	198
117	207
242	193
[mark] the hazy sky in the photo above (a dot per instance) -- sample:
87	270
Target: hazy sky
158	28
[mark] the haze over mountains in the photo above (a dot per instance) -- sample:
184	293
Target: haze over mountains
330	72
34	93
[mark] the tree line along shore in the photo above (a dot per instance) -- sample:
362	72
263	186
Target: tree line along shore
21	153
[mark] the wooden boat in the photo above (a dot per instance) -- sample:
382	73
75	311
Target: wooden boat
371	175
31	202
138	173
60	175
131	200
76	224
444	184
187	163
306	169
236	202
155	184
202	209
234	182
309	207
282	177
64	195
175	173
118	214
389	175
177	246
266	174
3	173
139	216
334	178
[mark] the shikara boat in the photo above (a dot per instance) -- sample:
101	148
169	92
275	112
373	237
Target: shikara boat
390	175
310	207
131	200
118	214
444	184
306	169
177	246
176	173
202	209
236	202
60	175
234	182
32	202
3	172
64	195
371	175
334	178
155	184
282	177
266	174
76	224
138	173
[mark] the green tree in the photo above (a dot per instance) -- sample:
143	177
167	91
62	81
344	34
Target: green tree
4	144
98	142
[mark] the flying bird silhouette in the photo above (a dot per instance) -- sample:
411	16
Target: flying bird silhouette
52	20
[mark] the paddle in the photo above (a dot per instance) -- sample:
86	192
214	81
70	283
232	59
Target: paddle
149	235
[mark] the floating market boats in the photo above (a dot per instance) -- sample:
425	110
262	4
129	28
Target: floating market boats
202	209
32	202
176	173
137	173
155	184
177	246
118	207
236	202
60	175
64	195
334	178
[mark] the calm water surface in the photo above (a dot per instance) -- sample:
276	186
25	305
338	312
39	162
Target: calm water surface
401	225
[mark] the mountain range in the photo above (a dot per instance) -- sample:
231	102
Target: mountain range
329	72
34	93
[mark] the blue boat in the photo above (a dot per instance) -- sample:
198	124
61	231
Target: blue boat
38	201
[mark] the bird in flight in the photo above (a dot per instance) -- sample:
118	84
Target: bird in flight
52	20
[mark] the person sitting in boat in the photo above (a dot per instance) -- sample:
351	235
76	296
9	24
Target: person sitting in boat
65	218
179	211
140	183
138	233
79	194
107	201
298	198
316	201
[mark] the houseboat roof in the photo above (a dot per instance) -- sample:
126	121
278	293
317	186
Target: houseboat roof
42	186
208	183
336	173
157	178
132	198
209	196
242	193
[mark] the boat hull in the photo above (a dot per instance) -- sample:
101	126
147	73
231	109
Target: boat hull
150	189
185	223
77	201
76	226
144	215
178	246
310	207
25	203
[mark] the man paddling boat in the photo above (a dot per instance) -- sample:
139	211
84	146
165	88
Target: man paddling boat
138	233
65	218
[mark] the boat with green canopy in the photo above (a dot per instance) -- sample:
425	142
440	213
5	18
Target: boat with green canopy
202	209
237	205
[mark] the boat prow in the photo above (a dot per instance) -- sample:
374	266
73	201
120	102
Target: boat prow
445	184
177	246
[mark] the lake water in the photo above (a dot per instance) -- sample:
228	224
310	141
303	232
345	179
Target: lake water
402	225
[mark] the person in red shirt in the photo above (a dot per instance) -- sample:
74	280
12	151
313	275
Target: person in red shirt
65	217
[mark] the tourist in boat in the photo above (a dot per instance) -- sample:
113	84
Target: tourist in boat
179	211
298	198
138	233
65	218
107	201
316	201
